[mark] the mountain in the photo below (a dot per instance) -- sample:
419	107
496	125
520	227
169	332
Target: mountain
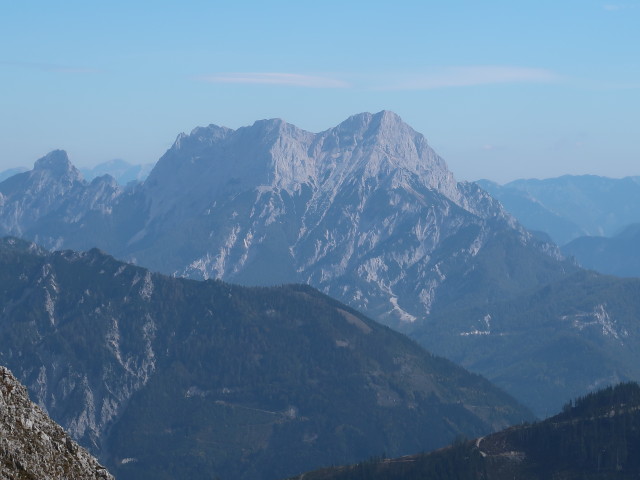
32	445
366	212
571	206
165	377
618	255
54	194
597	437
563	339
11	172
123	171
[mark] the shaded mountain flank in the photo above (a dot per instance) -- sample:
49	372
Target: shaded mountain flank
165	377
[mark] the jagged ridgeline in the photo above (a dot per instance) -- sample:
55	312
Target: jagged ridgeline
366	211
172	378
32	446
597	437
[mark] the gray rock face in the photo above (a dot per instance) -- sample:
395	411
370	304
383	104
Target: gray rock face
33	446
43	202
84	402
366	211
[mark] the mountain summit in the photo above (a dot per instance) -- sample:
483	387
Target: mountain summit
369	214
272	154
365	211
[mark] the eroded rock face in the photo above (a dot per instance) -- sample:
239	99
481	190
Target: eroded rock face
33	446
367	212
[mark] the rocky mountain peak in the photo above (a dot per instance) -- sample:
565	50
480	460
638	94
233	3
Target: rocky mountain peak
57	162
361	203
381	145
202	136
277	154
368	125
269	125
32	445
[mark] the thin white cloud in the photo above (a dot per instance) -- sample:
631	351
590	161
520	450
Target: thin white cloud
267	78
438	78
615	7
470	76
51	67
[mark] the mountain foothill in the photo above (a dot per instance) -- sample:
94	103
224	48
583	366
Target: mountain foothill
165	377
594	437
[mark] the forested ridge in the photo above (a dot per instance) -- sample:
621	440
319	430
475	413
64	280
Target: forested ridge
595	437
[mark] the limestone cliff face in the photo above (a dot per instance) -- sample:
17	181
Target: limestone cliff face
33	446
366	211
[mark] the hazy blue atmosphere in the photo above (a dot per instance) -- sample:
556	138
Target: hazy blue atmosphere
501	89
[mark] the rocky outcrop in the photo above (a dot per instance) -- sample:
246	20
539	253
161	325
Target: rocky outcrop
32	446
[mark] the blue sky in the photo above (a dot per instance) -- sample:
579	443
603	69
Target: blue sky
501	89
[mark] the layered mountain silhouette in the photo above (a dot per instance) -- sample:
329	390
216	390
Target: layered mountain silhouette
172	378
367	213
616	255
571	206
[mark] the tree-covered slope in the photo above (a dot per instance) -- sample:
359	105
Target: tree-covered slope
597	437
558	341
173	378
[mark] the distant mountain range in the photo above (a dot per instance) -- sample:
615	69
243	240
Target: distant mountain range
366	212
571	206
597	437
361	211
617	255
122	171
32	446
11	172
171	378
595	219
